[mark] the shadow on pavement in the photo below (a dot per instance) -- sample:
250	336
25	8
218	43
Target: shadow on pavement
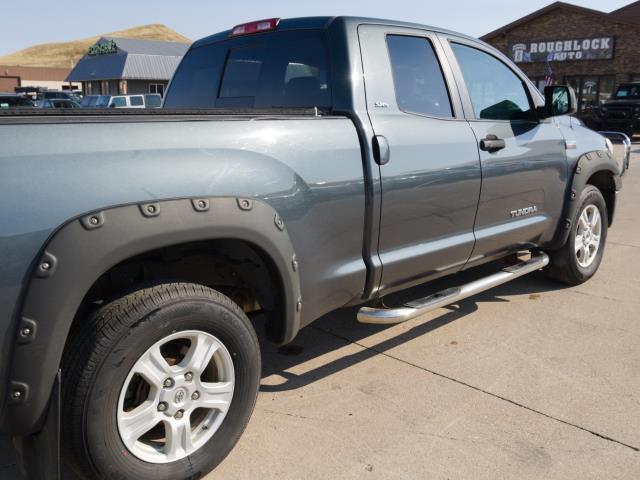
321	337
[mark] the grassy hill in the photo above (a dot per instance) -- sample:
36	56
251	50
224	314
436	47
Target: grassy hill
66	54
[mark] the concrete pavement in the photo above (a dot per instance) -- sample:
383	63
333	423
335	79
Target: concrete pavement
531	380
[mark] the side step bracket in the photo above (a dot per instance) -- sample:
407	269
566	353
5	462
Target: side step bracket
446	297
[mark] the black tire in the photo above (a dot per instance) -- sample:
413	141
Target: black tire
563	265
100	354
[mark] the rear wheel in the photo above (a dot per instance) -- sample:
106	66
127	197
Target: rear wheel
159	384
578	260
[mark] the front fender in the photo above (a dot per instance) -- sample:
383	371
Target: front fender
586	166
82	249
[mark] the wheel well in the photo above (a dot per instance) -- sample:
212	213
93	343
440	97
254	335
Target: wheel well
603	181
236	268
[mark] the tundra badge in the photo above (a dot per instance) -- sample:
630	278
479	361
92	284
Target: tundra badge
523	211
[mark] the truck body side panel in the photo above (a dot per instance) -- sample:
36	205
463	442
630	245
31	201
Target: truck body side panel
308	170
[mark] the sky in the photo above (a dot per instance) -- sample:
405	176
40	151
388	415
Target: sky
43	21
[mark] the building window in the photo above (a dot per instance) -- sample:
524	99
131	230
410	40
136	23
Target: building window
157	88
591	90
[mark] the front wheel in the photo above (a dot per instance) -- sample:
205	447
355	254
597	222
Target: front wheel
159	384
578	260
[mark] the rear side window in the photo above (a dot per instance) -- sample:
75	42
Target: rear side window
417	76
153	101
497	93
136	101
119	102
281	69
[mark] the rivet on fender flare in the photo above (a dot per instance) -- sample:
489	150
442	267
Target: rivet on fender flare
93	221
278	221
150	209
245	204
47	265
299	305
200	204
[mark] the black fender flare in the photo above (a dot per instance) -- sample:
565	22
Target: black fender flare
587	165
83	248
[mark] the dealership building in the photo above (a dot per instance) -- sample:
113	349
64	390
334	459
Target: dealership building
120	66
591	50
50	78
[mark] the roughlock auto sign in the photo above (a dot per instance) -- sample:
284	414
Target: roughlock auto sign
598	48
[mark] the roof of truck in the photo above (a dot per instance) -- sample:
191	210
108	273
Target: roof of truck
325	22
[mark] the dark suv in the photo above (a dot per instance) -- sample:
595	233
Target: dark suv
622	111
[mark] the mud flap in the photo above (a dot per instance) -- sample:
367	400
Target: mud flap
39	454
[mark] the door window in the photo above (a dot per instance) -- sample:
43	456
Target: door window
417	76
136	101
497	93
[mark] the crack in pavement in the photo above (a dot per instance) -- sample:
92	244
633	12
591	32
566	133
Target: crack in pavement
623	244
481	390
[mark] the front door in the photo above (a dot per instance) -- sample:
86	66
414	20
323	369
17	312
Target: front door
431	183
524	167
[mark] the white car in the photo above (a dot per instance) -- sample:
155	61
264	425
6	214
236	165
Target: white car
149	100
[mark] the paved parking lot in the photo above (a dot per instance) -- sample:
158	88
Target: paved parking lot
531	380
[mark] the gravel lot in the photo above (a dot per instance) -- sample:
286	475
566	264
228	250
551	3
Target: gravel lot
531	380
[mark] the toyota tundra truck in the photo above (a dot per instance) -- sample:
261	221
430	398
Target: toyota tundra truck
297	167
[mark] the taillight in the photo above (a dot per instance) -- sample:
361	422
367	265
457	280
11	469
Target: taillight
254	27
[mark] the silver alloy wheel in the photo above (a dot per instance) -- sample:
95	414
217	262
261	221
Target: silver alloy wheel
176	396
588	234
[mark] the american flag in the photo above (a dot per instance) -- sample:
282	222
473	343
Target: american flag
549	73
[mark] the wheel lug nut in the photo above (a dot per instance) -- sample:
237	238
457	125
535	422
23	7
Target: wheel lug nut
195	395
179	414
162	406
168	383
188	376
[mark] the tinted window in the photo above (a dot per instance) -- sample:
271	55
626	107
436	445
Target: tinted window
102	100
625	91
136	101
153	100
16	101
118	102
282	69
242	73
497	93
419	82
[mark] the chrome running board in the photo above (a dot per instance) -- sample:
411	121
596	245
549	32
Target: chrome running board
451	295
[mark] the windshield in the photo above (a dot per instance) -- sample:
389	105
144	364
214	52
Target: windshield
279	69
626	91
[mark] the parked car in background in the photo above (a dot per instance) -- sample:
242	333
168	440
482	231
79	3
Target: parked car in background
11	100
59	103
148	100
621	112
89	101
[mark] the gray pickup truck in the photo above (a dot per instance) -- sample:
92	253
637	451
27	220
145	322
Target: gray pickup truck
297	167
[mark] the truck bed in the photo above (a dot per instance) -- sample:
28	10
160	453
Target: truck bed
22	116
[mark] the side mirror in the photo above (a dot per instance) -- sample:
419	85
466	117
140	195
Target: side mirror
559	100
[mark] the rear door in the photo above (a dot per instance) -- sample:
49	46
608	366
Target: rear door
525	176
431	183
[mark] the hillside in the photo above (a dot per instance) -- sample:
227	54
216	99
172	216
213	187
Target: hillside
66	54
